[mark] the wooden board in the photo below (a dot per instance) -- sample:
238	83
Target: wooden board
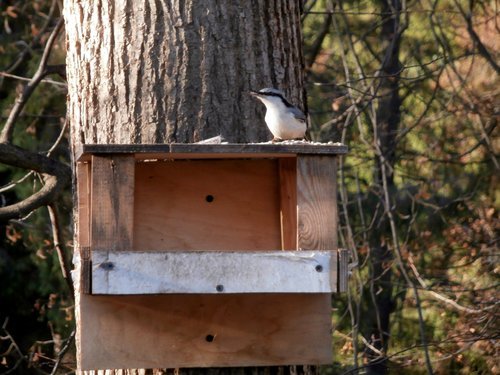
112	196
232	150
317	211
288	202
212	330
317	202
82	272
83	181
172	331
206	205
212	272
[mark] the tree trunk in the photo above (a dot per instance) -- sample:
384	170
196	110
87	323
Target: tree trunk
385	131
177	71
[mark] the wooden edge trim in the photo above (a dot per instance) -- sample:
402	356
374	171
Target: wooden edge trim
86	273
187	150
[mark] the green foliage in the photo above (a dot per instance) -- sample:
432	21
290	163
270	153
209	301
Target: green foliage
444	201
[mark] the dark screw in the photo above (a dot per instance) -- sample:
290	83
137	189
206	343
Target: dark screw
319	268
210	338
219	288
209	198
108	266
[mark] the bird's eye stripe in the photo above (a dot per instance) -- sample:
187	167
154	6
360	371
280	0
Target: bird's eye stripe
270	94
285	102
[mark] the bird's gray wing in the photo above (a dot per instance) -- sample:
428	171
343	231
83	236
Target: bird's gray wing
298	114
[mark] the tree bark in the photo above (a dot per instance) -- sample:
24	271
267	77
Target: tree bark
177	71
388	117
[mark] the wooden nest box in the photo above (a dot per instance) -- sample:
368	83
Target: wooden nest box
188	255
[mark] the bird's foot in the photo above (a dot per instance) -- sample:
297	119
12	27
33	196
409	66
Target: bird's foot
276	139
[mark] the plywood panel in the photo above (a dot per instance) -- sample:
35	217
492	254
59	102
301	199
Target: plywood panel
207	205
288	202
173	212
132	272
317	202
112	196
204	330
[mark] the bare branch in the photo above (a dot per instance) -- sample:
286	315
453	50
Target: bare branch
55	83
42	197
8	129
442	298
13	184
27	51
63	351
59	138
13	346
56	176
60	249
18	157
477	41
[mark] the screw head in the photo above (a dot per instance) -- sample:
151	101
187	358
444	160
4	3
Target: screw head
108	266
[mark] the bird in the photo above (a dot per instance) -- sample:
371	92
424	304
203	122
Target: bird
284	120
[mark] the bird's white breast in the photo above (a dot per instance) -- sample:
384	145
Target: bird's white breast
282	123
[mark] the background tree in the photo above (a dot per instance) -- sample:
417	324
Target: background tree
407	87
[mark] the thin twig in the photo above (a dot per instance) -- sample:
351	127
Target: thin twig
13	345
402	268
46	80
8	129
28	50
442	298
59	138
56	175
472	33
63	351
58	245
13	184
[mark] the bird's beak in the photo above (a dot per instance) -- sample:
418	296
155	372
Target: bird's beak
254	93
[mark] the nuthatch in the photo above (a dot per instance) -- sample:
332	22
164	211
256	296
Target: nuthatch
284	120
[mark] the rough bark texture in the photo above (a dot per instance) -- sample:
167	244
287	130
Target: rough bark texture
178	71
